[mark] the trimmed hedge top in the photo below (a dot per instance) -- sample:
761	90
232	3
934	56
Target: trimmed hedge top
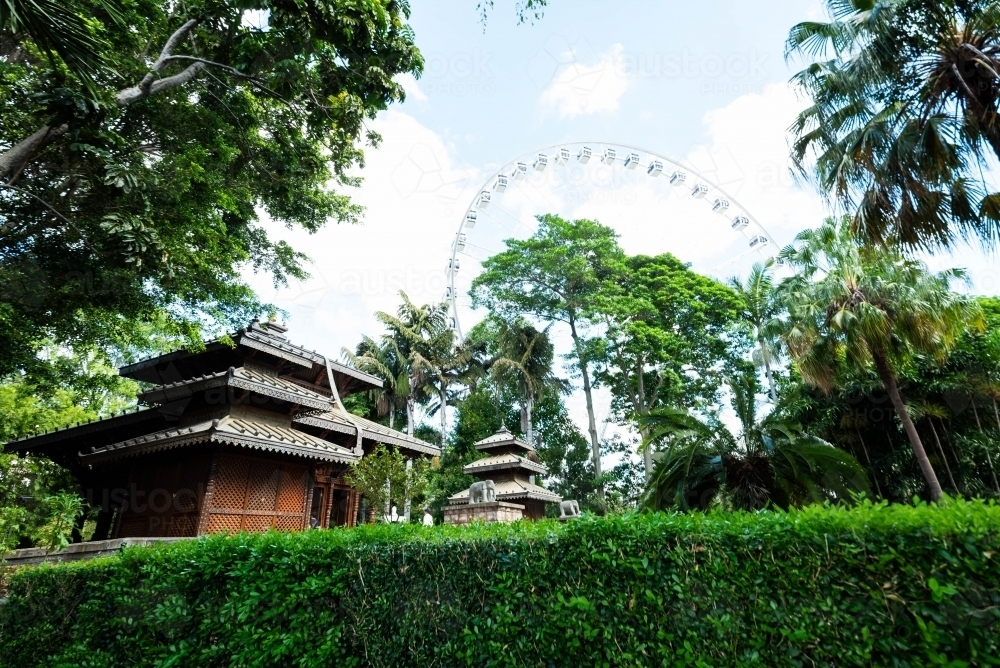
871	585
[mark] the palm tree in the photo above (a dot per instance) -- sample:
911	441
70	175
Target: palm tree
905	105
767	464
420	335
528	354
58	27
868	307
759	309
382	361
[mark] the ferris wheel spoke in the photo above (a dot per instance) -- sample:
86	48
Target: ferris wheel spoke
538	178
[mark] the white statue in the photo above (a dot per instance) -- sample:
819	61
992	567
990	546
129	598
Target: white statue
393	516
483	491
428	518
568	509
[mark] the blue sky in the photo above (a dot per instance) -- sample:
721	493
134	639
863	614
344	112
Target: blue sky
703	83
485	90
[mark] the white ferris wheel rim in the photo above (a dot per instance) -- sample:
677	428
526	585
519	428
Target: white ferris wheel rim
648	156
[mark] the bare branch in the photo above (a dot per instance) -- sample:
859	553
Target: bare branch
149	83
168	48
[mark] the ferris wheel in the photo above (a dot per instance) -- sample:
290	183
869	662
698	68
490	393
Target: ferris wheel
611	178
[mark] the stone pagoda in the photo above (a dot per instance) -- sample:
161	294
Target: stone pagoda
506	490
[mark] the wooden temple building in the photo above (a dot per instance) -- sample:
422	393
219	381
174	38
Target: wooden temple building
245	437
511	465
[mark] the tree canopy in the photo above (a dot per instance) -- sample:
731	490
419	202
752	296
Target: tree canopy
904	116
140	201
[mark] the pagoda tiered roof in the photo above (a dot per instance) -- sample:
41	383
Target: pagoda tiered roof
267	338
514	461
504	462
504	440
264	384
253	434
334	420
513	490
264	363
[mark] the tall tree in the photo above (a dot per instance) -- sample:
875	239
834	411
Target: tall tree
421	336
555	276
382	360
669	333
141	202
523	355
873	308
759	309
904	113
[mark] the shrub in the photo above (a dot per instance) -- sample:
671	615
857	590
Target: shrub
872	585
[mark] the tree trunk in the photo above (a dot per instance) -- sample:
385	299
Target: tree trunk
392	414
947	466
888	379
989	460
17	156
766	356
443	397
409	415
864	447
529	428
388	500
406	501
595	446
639	406
647	455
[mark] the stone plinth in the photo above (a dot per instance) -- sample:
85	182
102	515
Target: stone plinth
493	511
99	548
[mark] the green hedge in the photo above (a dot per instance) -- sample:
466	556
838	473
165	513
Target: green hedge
874	585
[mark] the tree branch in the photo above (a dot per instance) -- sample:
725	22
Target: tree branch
13	160
149	84
55	211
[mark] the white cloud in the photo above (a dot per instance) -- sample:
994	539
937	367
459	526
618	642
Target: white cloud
414	195
411	87
577	89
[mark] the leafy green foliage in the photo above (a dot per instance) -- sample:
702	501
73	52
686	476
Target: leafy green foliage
958	395
904	116
63	512
143	206
872	585
768	464
383	478
36	495
863	308
58	28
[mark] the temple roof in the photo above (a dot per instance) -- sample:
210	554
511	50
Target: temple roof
503	439
268	338
229	430
247	379
76	431
334	420
503	462
509	490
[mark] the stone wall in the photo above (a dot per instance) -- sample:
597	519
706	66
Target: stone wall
494	511
32	556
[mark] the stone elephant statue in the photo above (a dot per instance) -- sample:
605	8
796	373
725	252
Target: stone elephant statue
568	509
483	491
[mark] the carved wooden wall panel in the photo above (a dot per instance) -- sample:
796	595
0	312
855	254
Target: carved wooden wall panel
164	495
252	493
